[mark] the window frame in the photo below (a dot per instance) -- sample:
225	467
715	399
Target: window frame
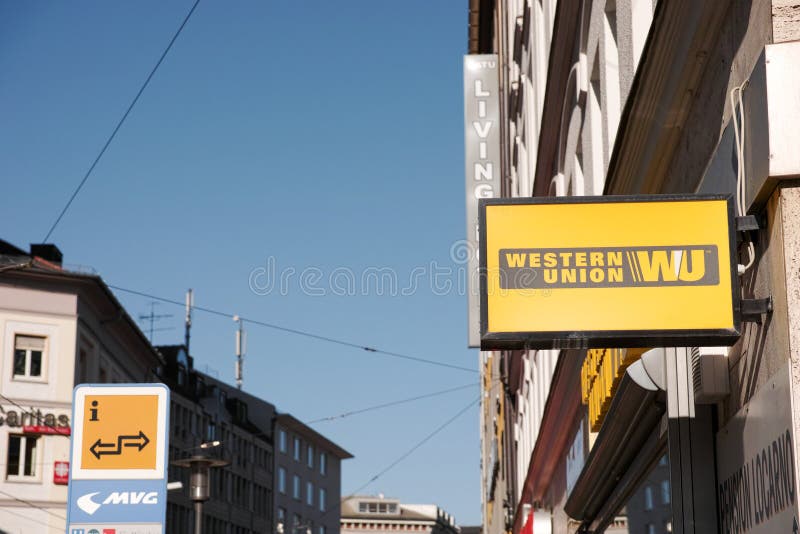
323	497
309	493
297	448
282	441
323	463
296	488
282	480
43	361
24	458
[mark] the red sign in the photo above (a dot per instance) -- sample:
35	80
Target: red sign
61	473
46	429
109	531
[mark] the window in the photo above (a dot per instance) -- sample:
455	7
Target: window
297	449
648	498
651	528
281	514
211	431
296	487
665	491
322	495
321	529
282	440
323	463
297	520
28	357
282	480
21	460
310	456
309	494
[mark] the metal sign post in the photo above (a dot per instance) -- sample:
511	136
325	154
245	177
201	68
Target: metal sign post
118	479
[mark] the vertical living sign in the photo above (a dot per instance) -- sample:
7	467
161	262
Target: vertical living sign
482	162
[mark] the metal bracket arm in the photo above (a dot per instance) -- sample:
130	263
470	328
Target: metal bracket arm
753	309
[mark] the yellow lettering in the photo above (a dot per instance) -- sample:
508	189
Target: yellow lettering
580	259
615	275
535	259
660	267
615	259
550	276
568	276
698	266
596	275
596	259
565	257
515	260
550	259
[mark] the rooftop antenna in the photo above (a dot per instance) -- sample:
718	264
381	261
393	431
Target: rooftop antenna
189	306
241	348
152	317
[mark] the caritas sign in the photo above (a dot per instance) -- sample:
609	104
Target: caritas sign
596	272
61	473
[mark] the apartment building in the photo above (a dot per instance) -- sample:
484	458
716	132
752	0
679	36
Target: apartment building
58	328
376	514
644	97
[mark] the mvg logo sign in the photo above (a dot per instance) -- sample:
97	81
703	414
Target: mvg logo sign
550	268
88	504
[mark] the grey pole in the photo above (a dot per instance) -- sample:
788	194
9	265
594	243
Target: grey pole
199	490
198	517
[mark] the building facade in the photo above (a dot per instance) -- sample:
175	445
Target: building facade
212	418
643	97
58	328
308	470
378	515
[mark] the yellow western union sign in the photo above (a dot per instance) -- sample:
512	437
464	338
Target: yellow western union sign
607	271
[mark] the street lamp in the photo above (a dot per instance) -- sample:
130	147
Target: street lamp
199	490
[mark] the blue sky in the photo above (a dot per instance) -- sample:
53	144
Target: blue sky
322	135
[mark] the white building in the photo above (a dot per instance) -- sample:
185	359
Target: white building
57	329
362	514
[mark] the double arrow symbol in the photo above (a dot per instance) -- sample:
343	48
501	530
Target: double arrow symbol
99	448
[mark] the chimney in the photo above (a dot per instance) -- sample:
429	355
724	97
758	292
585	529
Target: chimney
48	252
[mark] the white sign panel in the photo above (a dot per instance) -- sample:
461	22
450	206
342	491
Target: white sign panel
756	473
482	155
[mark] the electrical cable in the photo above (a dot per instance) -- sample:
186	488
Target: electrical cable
59	528
738	118
405	455
32	505
298	332
119	124
390	404
418	445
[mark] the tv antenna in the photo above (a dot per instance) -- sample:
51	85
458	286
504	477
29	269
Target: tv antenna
154	317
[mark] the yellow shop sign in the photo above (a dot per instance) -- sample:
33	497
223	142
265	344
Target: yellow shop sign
607	271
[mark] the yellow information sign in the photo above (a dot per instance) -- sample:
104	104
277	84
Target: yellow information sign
120	431
607	271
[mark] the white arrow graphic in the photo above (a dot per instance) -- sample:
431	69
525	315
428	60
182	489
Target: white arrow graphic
86	503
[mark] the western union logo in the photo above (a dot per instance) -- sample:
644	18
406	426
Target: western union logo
540	268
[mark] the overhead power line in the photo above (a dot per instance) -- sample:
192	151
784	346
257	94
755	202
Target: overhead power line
298	332
33	505
58	528
405	455
393	403
119	124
